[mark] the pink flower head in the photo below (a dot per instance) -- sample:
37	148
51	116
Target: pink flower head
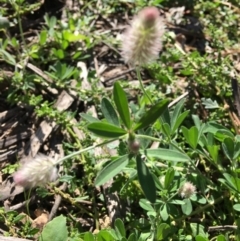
187	190
142	41
37	172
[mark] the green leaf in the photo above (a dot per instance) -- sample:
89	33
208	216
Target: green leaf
151	115
236	207
210	104
210	139
111	170
88	236
162	231
146	180
191	136
179	121
113	233
4	23
165	117
187	207
221	238
213	151
7	57
167	155
222	134
119	228
89	118
164	212
197	121
109	112
106	130
236	150
159	185
43	37
55	230
72	37
231	182
105	235
213	127
166	129
177	202
200	238
144	236
18	218
176	112
144	143
198	229
169	178
228	148
132	237
121	103
131	177
199	199
146	205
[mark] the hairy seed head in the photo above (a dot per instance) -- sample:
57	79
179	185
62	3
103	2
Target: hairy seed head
187	190
37	172
142	41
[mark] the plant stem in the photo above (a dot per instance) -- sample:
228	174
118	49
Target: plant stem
69	129
147	137
141	84
83	150
201	209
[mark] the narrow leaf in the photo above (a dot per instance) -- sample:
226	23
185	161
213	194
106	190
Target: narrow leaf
109	112
228	148
145	204
89	118
197	121
213	151
236	150
146	180
151	115
179	121
176	112
167	155
165	117
7	57
111	170
121	103
106	130
166	129
169	178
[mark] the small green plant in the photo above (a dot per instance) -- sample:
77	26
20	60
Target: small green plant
175	161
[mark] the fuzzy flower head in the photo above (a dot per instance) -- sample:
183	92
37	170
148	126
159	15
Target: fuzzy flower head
187	190
142	41
37	172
